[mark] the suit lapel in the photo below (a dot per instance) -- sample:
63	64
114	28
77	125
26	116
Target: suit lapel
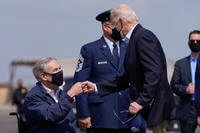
106	52
136	29
130	57
188	69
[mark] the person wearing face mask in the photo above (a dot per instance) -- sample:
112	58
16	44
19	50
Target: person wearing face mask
99	61
47	105
183	85
145	71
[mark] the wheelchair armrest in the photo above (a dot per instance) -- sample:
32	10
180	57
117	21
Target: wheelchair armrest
16	114
21	124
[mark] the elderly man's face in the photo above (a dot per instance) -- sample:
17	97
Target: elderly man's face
54	73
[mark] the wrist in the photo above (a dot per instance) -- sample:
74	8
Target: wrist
70	94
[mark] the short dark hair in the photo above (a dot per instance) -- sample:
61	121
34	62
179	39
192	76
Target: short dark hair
193	32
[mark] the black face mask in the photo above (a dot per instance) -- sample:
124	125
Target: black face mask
195	47
57	78
116	34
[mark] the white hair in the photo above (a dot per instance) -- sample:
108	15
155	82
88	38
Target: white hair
41	66
123	11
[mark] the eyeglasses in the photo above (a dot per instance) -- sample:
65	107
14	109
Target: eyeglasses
195	41
124	116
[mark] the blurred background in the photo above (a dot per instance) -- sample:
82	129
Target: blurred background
32	29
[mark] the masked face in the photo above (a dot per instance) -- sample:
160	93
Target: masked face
194	45
57	78
116	35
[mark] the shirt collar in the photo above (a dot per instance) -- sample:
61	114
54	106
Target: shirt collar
192	58
50	91
128	35
110	43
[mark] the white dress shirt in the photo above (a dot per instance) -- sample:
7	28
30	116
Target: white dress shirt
110	45
52	93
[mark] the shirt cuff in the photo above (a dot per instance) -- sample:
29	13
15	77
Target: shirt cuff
95	88
71	99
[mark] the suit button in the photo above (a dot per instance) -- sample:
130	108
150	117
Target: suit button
120	93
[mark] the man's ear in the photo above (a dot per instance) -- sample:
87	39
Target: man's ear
43	76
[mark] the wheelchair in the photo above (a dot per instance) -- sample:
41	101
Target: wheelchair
21	122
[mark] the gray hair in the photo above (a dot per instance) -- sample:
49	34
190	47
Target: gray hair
41	66
123	11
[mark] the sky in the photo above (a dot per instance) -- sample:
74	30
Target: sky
31	29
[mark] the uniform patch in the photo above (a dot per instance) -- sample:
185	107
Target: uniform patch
102	62
80	63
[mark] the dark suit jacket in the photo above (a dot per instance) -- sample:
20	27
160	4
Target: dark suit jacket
179	82
197	87
44	115
146	74
97	64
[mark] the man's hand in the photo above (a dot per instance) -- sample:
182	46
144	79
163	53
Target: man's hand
85	122
76	89
134	107
88	86
190	88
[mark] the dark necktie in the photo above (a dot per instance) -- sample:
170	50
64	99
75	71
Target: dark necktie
115	54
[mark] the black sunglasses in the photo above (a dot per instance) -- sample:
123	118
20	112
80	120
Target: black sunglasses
195	41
